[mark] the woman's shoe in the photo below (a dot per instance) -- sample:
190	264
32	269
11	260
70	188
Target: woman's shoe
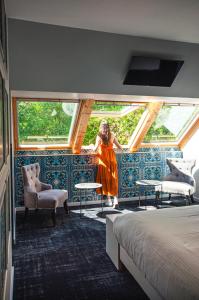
116	206
115	202
109	202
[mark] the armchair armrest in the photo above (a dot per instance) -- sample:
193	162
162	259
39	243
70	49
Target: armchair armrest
45	186
30	197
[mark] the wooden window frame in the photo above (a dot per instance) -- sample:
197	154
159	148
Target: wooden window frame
189	133
144	124
81	122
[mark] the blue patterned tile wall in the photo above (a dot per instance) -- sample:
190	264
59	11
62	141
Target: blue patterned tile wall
63	170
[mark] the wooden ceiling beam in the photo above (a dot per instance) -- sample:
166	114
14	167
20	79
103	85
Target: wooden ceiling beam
82	123
144	124
192	130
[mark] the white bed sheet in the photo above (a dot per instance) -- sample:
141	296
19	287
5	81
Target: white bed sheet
164	245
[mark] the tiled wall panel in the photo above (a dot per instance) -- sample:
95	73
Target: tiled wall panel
64	170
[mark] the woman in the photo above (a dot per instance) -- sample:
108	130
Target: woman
107	173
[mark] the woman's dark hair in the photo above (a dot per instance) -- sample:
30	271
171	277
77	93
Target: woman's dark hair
105	137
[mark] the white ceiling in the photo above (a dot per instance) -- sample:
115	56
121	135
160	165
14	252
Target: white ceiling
176	20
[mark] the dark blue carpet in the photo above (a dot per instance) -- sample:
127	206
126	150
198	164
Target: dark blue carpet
68	261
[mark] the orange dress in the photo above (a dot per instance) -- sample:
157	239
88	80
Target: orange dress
107	172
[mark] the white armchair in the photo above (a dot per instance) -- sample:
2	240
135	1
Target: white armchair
180	180
41	195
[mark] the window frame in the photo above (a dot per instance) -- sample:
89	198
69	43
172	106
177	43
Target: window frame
35	147
80	123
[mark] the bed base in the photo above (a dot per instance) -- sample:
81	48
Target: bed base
121	259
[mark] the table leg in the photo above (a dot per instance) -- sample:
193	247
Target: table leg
161	195
145	199
101	202
80	200
139	194
157	197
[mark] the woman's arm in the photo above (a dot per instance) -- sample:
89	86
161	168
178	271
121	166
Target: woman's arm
117	144
97	143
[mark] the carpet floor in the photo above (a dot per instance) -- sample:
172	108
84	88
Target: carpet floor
69	261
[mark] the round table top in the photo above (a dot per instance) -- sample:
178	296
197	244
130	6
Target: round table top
148	182
88	185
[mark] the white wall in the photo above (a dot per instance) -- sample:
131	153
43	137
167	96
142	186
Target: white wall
60	59
190	151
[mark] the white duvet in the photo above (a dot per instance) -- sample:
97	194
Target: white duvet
164	245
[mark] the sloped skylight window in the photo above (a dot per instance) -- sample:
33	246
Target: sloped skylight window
171	123
45	123
122	117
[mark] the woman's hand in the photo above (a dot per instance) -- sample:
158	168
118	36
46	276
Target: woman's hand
117	144
92	147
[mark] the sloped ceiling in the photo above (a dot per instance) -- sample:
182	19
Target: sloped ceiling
176	20
95	61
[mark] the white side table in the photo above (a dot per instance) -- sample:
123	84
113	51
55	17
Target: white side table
84	187
147	183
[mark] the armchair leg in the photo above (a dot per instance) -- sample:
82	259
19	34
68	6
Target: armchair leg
157	198
54	216
191	198
66	207
188	200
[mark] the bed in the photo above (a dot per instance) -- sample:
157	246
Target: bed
160	248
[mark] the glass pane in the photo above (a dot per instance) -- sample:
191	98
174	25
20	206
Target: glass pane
123	120
45	123
171	123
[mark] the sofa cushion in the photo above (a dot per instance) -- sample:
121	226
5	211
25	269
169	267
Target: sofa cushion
174	187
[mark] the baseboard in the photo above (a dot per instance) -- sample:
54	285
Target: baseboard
12	284
120	200
9	274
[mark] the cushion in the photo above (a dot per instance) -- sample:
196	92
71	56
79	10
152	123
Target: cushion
173	187
51	198
31	177
181	164
180	170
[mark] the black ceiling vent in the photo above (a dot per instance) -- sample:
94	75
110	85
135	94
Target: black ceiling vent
151	71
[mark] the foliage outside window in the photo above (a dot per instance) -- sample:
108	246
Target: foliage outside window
45	122
171	123
123	119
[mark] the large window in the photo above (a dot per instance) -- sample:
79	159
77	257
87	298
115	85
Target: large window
122	117
171	123
45	123
60	124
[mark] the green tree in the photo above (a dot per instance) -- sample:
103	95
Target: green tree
123	127
42	119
